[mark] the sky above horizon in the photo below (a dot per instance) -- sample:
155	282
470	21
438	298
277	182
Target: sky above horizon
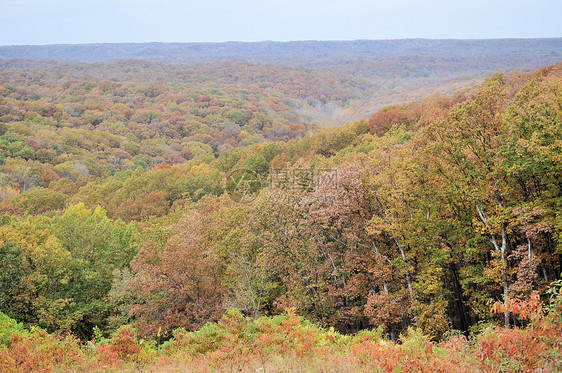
24	22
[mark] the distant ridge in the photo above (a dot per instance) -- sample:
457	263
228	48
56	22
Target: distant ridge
547	50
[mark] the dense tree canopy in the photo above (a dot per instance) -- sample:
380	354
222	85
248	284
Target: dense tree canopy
114	208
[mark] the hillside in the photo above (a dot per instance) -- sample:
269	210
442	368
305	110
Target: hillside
160	206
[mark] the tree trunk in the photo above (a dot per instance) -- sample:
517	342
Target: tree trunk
501	250
505	300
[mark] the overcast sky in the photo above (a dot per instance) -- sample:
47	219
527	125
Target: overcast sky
95	21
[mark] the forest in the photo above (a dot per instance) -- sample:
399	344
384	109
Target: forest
147	224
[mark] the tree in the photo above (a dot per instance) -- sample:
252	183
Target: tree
180	281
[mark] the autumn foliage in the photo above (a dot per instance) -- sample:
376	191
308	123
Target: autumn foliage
426	238
287	341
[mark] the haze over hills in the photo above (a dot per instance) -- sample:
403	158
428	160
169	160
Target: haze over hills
373	73
298	50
